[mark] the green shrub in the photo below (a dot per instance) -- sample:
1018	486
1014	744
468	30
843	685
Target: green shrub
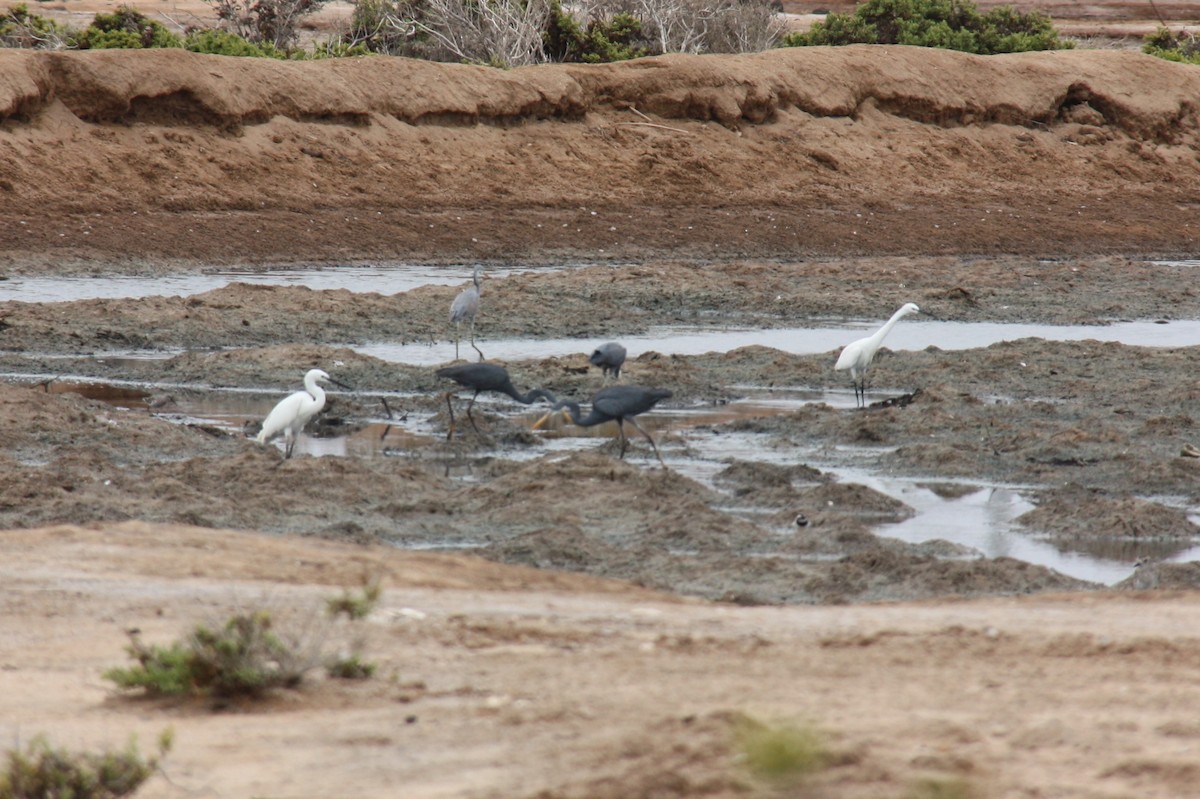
949	24
780	754
20	28
355	605
244	658
274	22
373	26
125	28
1184	49
218	42
942	788
351	667
617	38
43	772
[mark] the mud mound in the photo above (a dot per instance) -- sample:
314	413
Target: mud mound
885	574
1169	576
1075	512
38	427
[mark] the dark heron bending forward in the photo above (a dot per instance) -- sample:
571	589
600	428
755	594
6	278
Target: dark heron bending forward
485	377
616	403
609	357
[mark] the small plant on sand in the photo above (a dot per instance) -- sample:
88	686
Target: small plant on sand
250	654
781	755
942	788
355	605
351	667
42	771
242	658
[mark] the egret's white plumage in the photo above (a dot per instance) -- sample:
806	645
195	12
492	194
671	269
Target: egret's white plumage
464	308
857	355
294	412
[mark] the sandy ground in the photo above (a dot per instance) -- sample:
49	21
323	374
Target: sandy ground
769	191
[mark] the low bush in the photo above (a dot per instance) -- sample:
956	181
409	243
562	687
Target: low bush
266	22
218	42
242	658
1184	48
780	754
351	667
20	28
355	605
948	24
125	28
616	38
44	772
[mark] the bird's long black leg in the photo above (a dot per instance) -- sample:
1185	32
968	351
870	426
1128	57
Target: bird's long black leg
473	340
621	432
472	418
457	337
649	438
449	407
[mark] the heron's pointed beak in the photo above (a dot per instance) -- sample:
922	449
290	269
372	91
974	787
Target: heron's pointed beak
540	423
340	384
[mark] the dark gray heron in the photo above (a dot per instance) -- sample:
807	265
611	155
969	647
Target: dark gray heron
615	403
609	357
464	309
485	377
857	355
295	411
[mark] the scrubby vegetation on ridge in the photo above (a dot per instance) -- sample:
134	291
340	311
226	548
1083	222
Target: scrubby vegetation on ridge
507	33
948	24
1183	48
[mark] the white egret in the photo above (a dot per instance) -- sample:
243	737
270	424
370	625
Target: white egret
295	411
857	355
464	308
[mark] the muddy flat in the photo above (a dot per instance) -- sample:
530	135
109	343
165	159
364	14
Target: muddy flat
980	582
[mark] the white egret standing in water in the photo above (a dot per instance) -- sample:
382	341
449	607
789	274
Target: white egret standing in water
295	411
857	355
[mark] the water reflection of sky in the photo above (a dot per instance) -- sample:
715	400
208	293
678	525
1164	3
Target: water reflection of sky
380	278
908	335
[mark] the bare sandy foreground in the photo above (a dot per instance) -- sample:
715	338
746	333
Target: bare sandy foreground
499	682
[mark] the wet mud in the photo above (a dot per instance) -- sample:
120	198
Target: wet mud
1096	435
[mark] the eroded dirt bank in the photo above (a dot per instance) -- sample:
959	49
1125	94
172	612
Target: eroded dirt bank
130	156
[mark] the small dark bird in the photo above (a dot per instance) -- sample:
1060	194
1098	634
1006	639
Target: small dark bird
485	377
609	357
464	308
615	403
